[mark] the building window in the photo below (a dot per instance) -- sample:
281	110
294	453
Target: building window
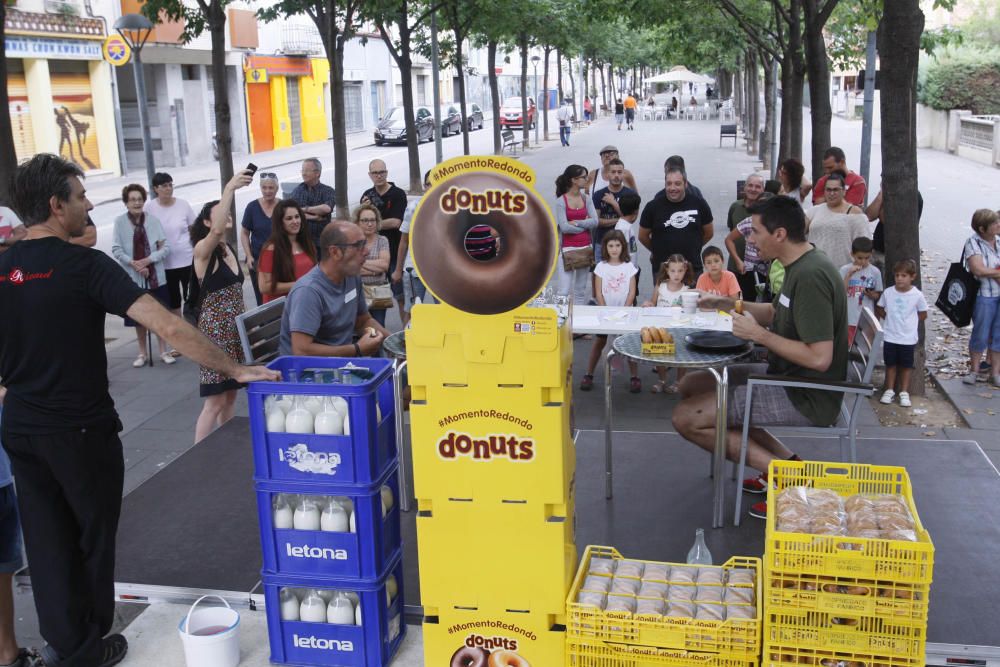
190	72
422	89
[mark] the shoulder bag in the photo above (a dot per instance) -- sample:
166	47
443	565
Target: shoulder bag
957	298
379	297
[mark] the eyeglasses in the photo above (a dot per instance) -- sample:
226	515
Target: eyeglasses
378	173
366	221
268	174
357	245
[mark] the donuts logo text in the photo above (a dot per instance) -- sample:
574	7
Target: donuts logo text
460	199
486	448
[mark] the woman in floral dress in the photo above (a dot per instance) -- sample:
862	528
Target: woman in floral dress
217	269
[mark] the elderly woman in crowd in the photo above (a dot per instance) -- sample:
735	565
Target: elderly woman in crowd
255	228
288	254
982	258
373	271
140	246
833	225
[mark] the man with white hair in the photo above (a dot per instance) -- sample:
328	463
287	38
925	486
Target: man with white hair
739	211
315	198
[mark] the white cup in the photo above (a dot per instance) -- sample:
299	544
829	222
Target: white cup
689	302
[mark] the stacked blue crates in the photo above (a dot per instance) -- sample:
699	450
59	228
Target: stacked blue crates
358	472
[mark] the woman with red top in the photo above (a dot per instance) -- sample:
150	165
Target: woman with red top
288	255
576	216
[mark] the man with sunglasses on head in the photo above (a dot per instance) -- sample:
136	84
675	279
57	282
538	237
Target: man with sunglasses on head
326	308
390	201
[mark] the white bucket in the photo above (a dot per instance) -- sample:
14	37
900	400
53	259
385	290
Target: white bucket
221	648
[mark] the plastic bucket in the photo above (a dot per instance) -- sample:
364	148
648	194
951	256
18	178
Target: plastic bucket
211	635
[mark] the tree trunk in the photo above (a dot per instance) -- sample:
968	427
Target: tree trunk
460	67
604	91
753	102
769	83
338	117
572	81
559	86
491	60
899	49
525	124
818	73
220	82
8	156
543	106
737	93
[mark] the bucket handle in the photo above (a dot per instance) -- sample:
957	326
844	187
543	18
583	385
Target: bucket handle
187	619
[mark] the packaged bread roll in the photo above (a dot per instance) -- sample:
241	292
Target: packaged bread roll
710	612
740	611
602	566
629	568
625	586
680	574
592	599
708	594
651	606
736	595
656	572
653	589
740	576
596	583
710	575
681	592
620	603
680	609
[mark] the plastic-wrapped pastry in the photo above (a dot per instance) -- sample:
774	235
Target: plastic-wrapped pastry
708	594
651	606
629	568
653	589
656	572
795	522
678	609
596	583
592	599
602	566
736	595
824	499
890	503
890	521
620	603
793	495
868	533
827	522
710	612
682	575
710	575
741	576
681	593
625	586
858	503
904	535
740	611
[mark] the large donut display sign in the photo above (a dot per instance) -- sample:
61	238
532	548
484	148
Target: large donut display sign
473	192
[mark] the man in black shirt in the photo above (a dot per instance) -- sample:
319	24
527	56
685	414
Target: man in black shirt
391	204
60	426
678	222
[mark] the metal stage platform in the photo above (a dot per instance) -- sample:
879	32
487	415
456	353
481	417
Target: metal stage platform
193	526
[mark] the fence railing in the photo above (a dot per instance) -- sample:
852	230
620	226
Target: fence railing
978	131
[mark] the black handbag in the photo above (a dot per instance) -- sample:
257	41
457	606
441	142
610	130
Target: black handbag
957	298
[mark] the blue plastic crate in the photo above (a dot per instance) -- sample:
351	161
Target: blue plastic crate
372	644
363	554
359	458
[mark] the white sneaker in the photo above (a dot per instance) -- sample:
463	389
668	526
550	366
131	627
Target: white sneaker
139	362
887	397
904	399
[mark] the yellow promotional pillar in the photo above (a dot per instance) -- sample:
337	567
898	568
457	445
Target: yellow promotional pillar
43	120
104	114
493	456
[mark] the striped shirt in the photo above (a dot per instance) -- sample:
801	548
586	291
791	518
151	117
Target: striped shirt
990	252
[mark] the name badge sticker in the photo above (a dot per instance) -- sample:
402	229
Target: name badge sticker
785	301
350	296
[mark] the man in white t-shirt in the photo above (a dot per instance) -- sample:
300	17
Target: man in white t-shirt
176	216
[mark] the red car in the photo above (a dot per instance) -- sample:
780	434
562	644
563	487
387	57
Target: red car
510	112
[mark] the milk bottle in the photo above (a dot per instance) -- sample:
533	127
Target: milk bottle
334	519
299	419
289	605
329	421
313	609
340	610
283	518
306	515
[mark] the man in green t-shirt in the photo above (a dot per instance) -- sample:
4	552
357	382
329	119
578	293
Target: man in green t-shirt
805	332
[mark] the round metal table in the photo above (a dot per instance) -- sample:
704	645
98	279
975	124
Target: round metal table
395	346
630	346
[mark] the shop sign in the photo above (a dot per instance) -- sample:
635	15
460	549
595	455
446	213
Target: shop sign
16	46
256	75
116	50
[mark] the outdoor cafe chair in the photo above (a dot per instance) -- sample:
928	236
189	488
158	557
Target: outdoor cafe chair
862	357
260	331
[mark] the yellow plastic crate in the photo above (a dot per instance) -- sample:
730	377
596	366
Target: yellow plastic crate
580	653
534	575
839	631
783	656
853	596
736	636
536	636
850	557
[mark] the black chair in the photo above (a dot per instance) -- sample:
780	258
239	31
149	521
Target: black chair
727	131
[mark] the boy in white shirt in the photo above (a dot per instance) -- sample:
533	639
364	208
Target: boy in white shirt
903	307
863	281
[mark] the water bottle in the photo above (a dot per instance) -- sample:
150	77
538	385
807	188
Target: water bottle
699	553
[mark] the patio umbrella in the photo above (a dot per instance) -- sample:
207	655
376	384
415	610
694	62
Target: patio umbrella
679	73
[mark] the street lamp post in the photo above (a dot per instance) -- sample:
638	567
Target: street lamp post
539	107
135	30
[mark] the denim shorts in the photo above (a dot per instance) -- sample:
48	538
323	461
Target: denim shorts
11	552
986	324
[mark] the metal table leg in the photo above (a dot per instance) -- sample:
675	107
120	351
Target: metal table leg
719	456
397	393
608	464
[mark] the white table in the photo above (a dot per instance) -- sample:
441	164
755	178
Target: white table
606	320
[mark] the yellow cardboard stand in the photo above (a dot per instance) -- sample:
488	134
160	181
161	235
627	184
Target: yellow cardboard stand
493	457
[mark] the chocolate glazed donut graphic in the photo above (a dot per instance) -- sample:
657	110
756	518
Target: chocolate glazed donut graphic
469	657
527	240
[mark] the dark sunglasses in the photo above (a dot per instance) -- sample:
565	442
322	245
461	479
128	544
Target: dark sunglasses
268	174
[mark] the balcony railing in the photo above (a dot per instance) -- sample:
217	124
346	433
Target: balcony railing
300	39
70	25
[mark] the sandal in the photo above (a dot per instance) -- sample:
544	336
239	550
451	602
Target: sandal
672	389
587	383
658	388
